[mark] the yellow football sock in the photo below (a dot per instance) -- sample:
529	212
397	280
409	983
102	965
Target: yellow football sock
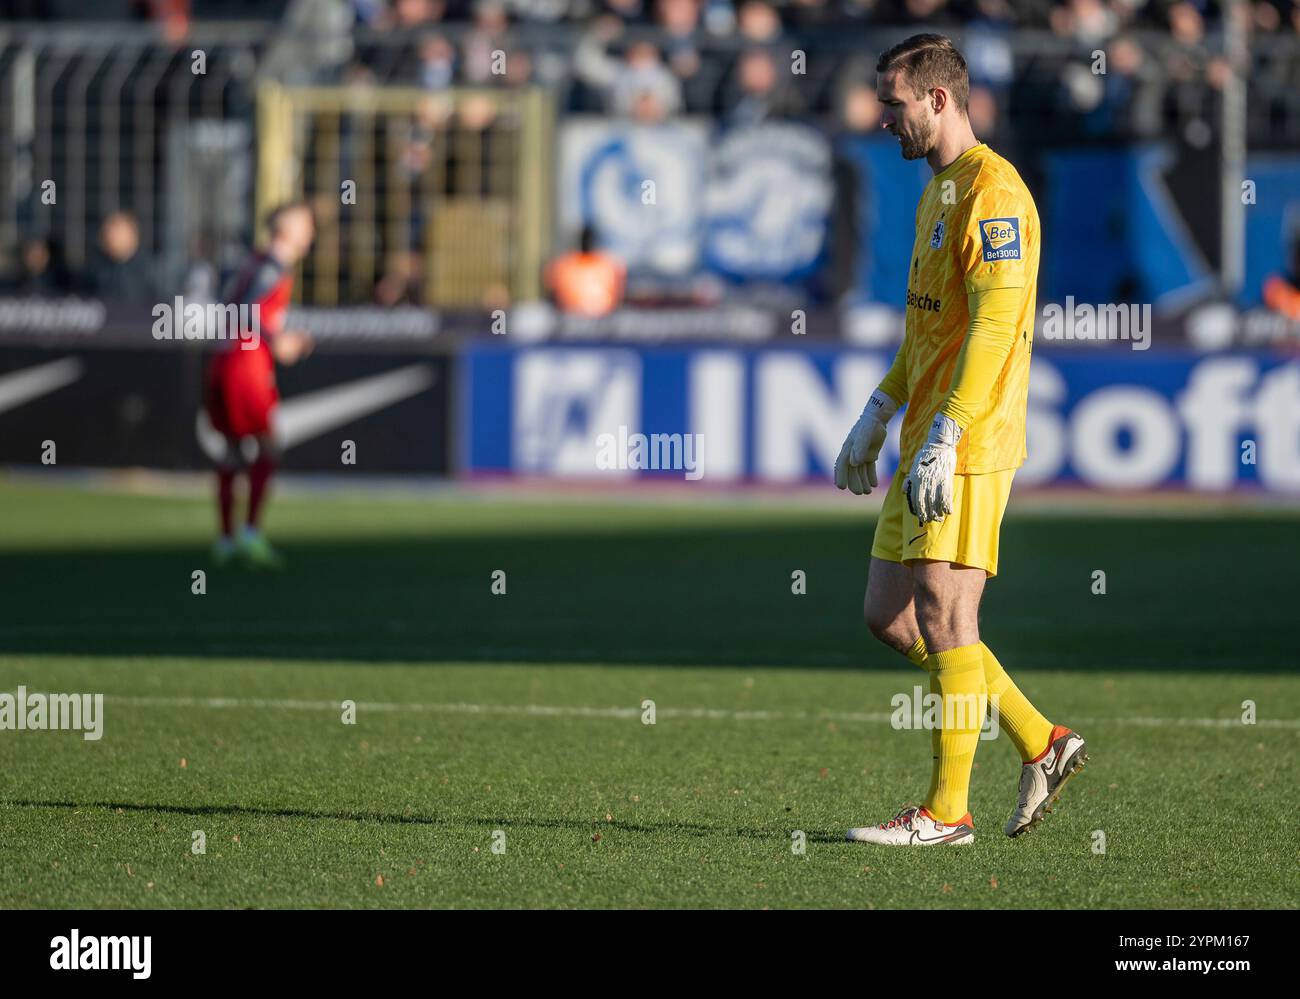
957	676
1028	729
917	653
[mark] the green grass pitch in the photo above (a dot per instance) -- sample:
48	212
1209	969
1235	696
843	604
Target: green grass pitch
516	720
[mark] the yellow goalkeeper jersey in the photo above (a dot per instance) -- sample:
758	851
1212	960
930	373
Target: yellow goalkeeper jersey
976	230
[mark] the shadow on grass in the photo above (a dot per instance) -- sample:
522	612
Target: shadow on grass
667	596
353	815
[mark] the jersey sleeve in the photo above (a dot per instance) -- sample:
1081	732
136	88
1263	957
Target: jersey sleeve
983	353
992	250
273	308
894	384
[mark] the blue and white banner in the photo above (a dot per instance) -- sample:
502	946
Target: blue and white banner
641	186
1142	420
676	199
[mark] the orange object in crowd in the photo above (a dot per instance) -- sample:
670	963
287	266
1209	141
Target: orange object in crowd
587	283
1282	297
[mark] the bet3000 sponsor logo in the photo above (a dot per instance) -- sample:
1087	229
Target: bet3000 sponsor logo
1001	239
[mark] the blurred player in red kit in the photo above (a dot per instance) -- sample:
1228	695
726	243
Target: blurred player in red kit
239	390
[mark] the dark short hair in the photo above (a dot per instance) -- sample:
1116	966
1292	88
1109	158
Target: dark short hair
928	61
274	216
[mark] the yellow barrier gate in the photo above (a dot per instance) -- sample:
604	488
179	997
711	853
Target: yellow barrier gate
441	199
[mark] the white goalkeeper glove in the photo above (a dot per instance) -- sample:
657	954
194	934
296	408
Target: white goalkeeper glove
855	468
928	486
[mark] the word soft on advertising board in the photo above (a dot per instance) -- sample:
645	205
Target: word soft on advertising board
1147	420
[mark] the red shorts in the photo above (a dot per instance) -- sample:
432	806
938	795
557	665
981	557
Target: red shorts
240	392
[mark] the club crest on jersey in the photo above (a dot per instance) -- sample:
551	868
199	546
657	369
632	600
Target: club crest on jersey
936	237
1001	239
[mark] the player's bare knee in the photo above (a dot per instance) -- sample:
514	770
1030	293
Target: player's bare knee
930	602
945	623
935	618
880	625
268	451
230	459
890	628
887	605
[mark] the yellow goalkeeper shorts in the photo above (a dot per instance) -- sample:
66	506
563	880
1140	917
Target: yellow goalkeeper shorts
967	536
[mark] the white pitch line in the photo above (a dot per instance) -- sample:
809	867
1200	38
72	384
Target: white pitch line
577	711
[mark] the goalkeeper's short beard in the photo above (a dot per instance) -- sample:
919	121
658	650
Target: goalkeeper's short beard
918	146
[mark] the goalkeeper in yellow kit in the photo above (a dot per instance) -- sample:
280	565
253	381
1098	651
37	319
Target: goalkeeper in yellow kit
963	371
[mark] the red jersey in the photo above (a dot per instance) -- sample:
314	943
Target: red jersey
265	286
240	391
